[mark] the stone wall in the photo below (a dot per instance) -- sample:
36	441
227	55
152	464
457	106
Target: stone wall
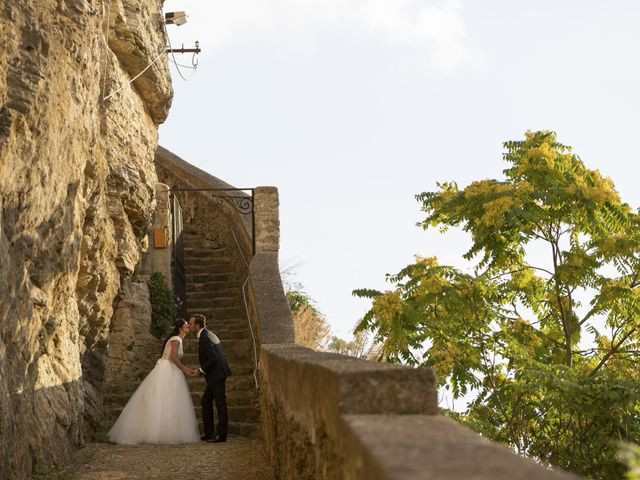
76	196
330	416
217	223
133	351
158	259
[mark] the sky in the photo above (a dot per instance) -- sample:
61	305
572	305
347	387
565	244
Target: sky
351	107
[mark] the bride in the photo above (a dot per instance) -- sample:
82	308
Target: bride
161	410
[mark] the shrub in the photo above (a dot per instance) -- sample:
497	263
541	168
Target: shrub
163	309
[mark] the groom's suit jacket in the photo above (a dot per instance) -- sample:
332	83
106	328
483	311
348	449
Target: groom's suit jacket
212	360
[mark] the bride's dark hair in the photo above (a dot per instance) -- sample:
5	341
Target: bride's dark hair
177	325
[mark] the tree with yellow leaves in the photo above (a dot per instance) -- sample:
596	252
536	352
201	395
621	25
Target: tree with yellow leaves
548	347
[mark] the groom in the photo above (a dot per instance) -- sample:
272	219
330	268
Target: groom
215	369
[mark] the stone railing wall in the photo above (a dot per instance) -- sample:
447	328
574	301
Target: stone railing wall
330	416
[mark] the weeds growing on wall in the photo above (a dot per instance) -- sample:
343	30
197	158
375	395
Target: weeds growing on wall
163	309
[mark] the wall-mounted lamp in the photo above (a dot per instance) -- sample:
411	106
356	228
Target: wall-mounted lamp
175	18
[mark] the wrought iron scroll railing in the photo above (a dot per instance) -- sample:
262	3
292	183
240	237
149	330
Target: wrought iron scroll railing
240	199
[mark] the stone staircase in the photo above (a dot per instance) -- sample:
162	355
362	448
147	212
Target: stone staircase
215	290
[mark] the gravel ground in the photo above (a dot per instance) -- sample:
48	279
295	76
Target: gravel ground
237	459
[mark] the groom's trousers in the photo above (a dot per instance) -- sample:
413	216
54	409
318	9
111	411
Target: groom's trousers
215	392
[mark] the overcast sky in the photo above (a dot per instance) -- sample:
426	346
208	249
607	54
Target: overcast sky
351	107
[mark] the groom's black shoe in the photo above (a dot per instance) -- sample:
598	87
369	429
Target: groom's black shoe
220	439
206	438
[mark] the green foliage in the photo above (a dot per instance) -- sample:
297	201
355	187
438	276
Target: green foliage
630	455
299	300
547	346
163	310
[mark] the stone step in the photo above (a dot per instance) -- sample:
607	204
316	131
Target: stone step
192	348
230	320
227	332
200	277
191	358
230	291
243	429
237	413
218	287
213	266
221	313
235	398
189	238
239	334
230	331
230	345
224	334
195	295
193	251
236	424
234	358
210	301
196	264
235	383
241	367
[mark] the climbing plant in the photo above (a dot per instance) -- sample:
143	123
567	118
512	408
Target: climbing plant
163	310
542	330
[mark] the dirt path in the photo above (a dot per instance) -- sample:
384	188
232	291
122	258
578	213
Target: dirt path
237	459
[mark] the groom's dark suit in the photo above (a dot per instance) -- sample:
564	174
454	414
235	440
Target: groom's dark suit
216	370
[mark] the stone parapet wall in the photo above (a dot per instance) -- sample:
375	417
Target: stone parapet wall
330	416
267	219
305	396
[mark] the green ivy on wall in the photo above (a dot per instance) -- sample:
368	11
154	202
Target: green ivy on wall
163	310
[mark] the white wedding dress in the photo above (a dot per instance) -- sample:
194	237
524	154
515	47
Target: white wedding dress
160	410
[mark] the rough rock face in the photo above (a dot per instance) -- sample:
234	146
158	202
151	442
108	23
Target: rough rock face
132	348
76	197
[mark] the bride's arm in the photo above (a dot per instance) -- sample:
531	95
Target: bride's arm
174	358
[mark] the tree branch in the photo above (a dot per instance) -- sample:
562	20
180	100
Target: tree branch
613	350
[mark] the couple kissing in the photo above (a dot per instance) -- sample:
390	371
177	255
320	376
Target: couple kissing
161	411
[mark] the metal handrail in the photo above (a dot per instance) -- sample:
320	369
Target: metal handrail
242	209
246	307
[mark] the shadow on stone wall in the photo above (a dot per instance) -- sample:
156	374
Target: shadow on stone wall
55	410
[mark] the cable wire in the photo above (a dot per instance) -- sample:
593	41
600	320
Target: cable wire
106	47
164	49
172	54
